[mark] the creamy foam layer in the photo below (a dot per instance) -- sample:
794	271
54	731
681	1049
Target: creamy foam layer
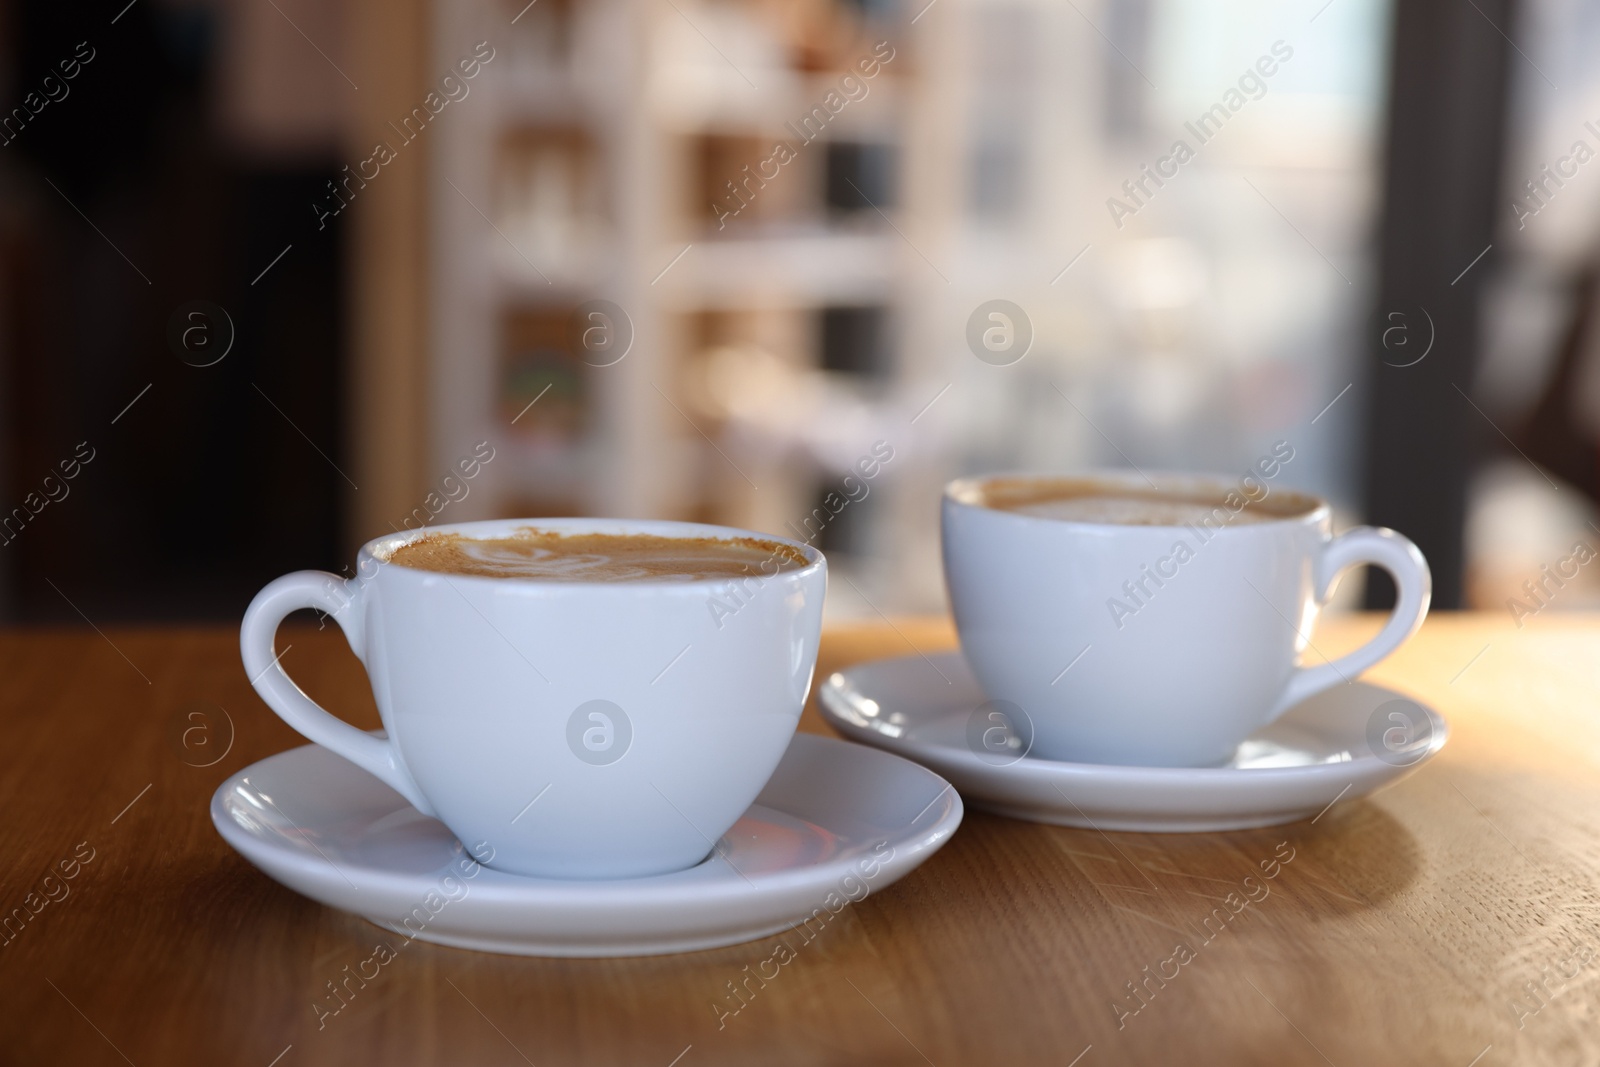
555	557
1133	511
1085	500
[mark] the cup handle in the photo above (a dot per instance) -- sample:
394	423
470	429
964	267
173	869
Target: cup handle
1405	563
342	600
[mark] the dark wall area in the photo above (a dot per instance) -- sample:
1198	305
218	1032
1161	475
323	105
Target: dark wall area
149	344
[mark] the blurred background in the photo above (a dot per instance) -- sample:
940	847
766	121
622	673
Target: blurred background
269	269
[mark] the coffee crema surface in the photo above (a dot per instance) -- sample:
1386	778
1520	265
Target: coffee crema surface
1087	500
549	556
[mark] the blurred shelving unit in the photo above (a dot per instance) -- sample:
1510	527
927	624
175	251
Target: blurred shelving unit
591	164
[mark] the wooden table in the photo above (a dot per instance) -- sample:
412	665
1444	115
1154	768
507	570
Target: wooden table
1406	929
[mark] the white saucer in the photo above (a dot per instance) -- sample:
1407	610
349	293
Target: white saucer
1295	768
835	823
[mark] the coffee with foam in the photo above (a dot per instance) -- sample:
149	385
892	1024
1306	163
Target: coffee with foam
544	555
1093	501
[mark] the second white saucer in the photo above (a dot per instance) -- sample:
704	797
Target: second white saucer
1340	744
835	823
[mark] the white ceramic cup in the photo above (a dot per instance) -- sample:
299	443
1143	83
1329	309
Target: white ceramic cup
562	729
1211	649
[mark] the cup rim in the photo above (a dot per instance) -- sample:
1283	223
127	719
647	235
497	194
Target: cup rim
379	549
962	492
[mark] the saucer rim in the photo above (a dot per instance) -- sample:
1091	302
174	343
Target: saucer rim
699	907
828	698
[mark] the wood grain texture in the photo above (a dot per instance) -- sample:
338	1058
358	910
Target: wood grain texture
1403	930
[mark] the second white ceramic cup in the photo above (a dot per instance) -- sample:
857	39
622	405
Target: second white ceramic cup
1207	643
565	729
